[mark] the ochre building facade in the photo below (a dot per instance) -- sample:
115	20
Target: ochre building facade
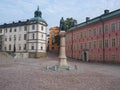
53	46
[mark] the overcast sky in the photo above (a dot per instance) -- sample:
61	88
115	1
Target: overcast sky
53	10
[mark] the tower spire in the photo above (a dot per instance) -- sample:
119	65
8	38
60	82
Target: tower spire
37	13
38	7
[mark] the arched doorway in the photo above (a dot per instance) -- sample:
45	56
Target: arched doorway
85	56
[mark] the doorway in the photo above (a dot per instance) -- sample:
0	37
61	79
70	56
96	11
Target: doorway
85	56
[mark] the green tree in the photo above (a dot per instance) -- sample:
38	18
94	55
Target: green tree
70	22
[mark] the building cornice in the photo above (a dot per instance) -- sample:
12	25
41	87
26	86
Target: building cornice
102	17
21	23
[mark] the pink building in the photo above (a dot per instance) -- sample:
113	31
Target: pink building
96	39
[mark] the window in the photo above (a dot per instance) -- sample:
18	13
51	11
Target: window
106	28
119	25
5	38
113	42
15	30
113	27
42	35
85	45
106	43
53	38
10	38
119	42
85	34
32	47
10	29
1	31
94	30
106	57
33	36
10	47
94	56
94	44
81	34
113	57
14	37
6	30
19	46
89	45
41	27
100	57
25	36
24	46
19	28
41	48
19	37
25	28
89	33
81	45
5	48
100	43
100	30
33	27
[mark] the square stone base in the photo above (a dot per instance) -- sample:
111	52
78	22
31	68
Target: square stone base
37	55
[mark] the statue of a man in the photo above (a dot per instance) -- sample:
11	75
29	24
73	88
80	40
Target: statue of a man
62	24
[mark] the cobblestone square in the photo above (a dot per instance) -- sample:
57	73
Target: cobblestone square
30	74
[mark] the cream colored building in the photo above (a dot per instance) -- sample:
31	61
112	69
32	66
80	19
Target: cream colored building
25	38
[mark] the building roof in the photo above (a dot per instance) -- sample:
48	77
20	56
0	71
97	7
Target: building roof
38	16
14	24
102	17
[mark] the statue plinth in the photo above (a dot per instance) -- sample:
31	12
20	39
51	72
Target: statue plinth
62	54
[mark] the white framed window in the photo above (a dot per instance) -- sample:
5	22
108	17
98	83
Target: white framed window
100	30
10	29
25	28
106	28
32	47
19	37
33	36
42	28
25	36
113	27
119	25
0	30
10	38
33	27
113	42
19	46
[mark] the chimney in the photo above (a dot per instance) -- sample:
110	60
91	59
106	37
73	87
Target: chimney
106	11
87	19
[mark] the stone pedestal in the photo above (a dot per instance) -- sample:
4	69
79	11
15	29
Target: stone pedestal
62	55
62	65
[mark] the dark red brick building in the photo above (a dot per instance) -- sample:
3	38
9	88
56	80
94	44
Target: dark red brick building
96	39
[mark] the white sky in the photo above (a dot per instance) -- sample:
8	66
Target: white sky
53	10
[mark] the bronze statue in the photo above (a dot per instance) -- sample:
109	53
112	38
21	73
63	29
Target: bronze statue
62	24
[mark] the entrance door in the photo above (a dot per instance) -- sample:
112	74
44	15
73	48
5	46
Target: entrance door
85	56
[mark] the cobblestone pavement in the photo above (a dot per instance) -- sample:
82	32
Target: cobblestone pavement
30	74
